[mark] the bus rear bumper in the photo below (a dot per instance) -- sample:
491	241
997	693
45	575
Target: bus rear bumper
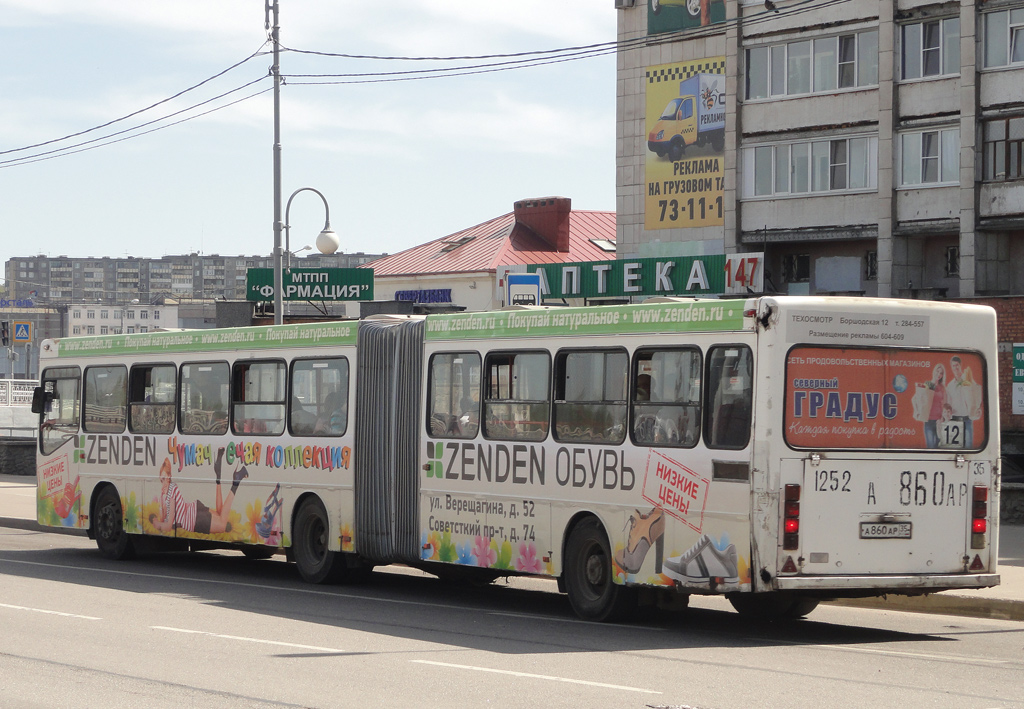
904	584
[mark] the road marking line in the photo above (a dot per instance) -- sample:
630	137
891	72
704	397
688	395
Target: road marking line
533	676
248	640
42	610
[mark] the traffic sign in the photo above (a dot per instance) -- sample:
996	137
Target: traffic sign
22	331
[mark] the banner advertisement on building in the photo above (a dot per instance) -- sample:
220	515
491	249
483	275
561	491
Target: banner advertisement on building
675	15
684	169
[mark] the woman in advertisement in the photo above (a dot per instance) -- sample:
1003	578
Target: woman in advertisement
928	401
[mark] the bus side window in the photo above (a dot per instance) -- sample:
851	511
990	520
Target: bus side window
454	405
105	399
258	398
151	390
203	398
60	420
666	397
590	396
517	404
319	397
729	396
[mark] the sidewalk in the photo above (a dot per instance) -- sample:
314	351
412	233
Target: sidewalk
1005	601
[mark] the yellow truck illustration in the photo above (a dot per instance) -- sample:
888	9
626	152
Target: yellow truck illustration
695	117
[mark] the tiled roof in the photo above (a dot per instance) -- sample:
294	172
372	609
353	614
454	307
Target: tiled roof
501	242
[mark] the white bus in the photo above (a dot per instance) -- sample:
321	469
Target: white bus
775	450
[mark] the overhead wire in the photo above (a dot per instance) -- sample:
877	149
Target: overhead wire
141	110
516	60
67	149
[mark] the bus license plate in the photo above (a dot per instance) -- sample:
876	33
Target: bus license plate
885	530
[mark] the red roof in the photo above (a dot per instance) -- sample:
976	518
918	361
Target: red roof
501	242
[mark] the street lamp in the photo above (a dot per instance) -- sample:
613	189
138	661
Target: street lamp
327	242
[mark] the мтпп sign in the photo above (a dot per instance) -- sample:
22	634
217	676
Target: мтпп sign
332	284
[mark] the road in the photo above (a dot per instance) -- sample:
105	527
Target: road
216	630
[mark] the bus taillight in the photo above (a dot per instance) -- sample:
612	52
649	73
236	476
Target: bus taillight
791	518
979	517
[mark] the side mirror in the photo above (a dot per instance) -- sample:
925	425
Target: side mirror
40	400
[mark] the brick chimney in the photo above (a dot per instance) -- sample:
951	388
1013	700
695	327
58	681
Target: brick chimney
548	218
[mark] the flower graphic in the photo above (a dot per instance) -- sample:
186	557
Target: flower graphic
485	555
465	553
430	545
253	512
528	560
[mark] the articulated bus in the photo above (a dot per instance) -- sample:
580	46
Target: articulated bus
774	450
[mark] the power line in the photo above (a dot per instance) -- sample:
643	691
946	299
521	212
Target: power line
67	149
31	159
141	110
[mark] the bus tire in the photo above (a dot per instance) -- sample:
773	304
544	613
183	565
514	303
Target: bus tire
593	593
108	526
310	541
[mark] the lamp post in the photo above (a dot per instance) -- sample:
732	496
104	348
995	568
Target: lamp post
326	241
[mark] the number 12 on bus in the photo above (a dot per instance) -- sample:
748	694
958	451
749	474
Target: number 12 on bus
774	450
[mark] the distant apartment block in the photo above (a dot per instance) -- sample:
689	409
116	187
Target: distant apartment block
120	281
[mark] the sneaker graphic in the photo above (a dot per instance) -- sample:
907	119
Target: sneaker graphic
703	562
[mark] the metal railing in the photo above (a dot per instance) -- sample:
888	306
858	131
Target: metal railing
17	392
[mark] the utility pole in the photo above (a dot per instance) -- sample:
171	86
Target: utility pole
275	30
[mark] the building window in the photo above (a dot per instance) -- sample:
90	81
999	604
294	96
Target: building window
1003	149
1004	37
931	48
952	261
930	157
104	315
76	330
813	66
104	330
871	266
130	314
117	315
90	314
90	330
76	314
841	164
143	315
156	314
796	268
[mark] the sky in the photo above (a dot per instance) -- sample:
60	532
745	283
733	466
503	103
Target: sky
399	162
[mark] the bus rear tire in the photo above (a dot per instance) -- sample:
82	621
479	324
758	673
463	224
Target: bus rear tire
108	526
310	542
593	593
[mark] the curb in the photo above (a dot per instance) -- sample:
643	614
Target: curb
942	604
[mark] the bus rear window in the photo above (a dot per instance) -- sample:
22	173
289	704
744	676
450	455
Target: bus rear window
885	399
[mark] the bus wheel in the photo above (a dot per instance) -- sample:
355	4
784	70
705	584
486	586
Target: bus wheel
108	526
316	563
592	592
772	606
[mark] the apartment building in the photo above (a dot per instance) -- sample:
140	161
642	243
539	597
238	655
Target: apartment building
866	147
120	281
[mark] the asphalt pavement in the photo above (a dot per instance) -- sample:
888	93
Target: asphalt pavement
1005	601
